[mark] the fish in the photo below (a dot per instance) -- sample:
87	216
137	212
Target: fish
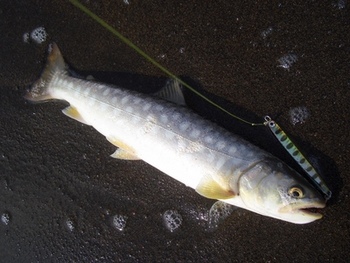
162	131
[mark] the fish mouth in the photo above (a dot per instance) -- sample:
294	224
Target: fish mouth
312	211
306	210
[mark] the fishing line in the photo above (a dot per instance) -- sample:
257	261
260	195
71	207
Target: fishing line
272	125
155	63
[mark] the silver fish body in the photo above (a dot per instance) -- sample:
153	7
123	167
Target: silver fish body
183	145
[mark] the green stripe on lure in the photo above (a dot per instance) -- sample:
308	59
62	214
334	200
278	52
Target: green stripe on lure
298	156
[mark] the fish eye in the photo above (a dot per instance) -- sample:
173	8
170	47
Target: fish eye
296	192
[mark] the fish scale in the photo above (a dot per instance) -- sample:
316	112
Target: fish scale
161	131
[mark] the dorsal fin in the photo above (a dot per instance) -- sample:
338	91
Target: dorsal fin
172	92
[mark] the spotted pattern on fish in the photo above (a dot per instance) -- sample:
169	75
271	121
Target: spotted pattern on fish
180	143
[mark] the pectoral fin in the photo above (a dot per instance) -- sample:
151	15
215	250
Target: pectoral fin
73	113
209	188
124	155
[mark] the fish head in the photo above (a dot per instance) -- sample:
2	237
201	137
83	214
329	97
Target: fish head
273	189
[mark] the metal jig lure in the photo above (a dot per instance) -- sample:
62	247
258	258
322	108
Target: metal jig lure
297	156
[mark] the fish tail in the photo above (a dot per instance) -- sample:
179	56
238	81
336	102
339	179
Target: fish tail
40	90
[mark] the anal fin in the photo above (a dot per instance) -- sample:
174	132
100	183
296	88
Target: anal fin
209	188
124	155
73	113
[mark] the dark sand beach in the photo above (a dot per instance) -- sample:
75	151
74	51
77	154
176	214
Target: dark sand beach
61	195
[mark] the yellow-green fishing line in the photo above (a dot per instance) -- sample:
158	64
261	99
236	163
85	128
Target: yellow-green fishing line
143	54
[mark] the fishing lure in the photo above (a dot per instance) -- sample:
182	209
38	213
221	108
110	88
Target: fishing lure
297	156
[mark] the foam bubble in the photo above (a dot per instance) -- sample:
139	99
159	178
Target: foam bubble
25	37
119	222
287	60
38	35
69	224
172	220
5	218
341	4
218	213
298	115
266	32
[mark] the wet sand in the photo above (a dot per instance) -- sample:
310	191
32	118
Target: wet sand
60	190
